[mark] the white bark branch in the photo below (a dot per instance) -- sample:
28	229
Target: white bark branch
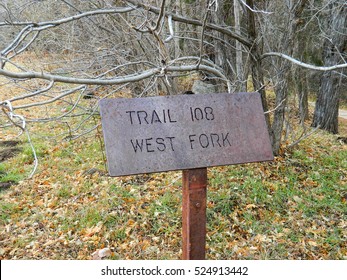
118	80
20	37
49	101
33	93
38	25
8	111
255	11
168	39
82	81
303	64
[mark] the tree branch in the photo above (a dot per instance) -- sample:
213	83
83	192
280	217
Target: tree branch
49	101
160	17
33	93
37	25
10	115
303	64
196	22
82	81
119	80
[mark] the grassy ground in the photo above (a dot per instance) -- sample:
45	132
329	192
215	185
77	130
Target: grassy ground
292	208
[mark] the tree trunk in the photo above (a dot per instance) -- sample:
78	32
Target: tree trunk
222	52
281	91
302	95
240	70
327	105
256	64
281	88
299	81
176	26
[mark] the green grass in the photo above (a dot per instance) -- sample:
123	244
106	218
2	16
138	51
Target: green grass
10	173
306	188
12	176
6	211
89	217
64	192
291	208
2	168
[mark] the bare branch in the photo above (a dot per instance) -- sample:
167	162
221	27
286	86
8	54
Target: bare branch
244	40
253	10
303	137
273	110
169	20
8	111
303	64
119	80
51	100
38	25
17	52
71	80
20	37
160	17
33	94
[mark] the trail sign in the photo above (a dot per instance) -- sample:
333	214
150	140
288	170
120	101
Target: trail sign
188	132
154	134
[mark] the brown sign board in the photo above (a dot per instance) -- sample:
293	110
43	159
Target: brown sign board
163	133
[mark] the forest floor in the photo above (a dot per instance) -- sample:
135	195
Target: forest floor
292	208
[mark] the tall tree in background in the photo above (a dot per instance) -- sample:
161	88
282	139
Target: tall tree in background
279	32
334	52
241	72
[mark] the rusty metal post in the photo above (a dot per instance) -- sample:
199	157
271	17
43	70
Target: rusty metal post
194	213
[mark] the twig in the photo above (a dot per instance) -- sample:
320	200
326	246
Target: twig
40	91
169	20
270	111
303	137
10	118
51	100
187	20
255	11
160	17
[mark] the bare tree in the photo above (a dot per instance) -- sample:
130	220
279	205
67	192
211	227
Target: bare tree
286	37
241	71
334	52
97	49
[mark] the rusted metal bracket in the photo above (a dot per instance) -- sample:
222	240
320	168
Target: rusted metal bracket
194	213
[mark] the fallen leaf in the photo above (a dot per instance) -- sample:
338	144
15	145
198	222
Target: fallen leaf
101	253
297	199
93	230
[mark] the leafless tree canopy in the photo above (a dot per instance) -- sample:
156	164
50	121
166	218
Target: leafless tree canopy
55	54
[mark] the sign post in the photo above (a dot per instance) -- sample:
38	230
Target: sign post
189	133
194	213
